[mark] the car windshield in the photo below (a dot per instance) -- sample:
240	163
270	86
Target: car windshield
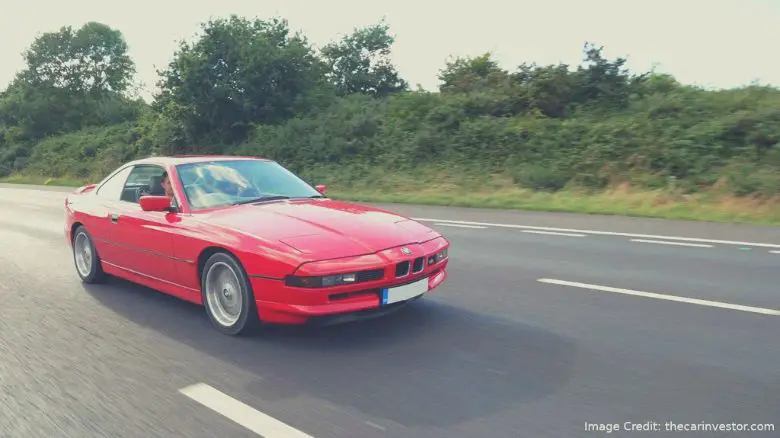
211	184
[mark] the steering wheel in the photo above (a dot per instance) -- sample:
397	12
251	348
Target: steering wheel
143	190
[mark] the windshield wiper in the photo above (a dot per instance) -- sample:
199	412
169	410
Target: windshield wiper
260	199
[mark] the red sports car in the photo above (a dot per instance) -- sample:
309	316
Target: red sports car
250	241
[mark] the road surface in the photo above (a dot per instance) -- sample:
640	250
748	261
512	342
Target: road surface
550	325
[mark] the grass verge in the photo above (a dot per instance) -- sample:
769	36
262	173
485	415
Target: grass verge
43	181
622	200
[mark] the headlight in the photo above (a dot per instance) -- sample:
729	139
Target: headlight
439	256
334	280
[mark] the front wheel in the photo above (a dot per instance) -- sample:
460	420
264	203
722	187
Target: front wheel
86	258
227	295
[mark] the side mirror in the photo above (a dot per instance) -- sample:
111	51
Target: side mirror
155	203
322	188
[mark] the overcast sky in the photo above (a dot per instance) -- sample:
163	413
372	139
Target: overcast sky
720	43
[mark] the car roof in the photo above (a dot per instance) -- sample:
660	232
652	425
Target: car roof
175	160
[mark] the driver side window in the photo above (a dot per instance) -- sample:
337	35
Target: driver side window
143	180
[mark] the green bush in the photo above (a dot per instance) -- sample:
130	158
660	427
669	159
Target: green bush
345	117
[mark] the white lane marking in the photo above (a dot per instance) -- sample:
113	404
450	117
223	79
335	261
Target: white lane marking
775	252
376	426
661	242
459	225
552	233
700	302
245	415
604	233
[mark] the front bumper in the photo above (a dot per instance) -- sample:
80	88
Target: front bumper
278	303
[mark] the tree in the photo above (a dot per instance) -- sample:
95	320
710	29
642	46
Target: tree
464	75
550	89
73	79
238	73
360	62
92	59
604	82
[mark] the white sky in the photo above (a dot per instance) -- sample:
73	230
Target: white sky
719	43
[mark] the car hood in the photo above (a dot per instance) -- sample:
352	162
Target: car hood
323	228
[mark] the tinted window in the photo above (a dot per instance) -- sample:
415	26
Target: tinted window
112	188
220	183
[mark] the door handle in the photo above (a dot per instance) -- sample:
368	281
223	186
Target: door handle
114	218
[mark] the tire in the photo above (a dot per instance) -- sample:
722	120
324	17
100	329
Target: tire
86	258
224	278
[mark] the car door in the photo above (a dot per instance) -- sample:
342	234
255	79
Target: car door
145	237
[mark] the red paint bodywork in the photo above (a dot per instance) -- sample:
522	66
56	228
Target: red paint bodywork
166	250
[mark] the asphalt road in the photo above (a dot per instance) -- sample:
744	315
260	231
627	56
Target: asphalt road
690	334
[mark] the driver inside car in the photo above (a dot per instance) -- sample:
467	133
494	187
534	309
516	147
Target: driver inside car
166	185
158	186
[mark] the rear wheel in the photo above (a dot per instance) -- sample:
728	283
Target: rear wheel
227	296
86	258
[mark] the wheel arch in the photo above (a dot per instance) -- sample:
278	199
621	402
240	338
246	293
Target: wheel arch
73	229
210	251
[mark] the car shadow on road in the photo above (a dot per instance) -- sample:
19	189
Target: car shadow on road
429	365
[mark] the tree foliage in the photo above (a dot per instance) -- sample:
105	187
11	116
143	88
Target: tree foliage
91	59
360	63
238	74
72	79
255	87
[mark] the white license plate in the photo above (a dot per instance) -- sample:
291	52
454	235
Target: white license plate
401	293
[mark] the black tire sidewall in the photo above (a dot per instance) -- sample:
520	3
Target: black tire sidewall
248	317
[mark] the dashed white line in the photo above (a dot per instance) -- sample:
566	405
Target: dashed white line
240	413
773	312
661	242
459	225
775	252
553	233
376	426
604	233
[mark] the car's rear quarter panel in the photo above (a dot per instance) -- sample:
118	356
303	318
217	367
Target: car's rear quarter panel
83	208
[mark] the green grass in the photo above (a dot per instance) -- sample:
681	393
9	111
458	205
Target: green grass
631	203
500	194
42	181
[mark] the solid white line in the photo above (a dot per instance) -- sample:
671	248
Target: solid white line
662	296
459	225
553	233
247	416
661	242
604	233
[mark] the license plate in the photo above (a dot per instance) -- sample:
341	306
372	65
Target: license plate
392	295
